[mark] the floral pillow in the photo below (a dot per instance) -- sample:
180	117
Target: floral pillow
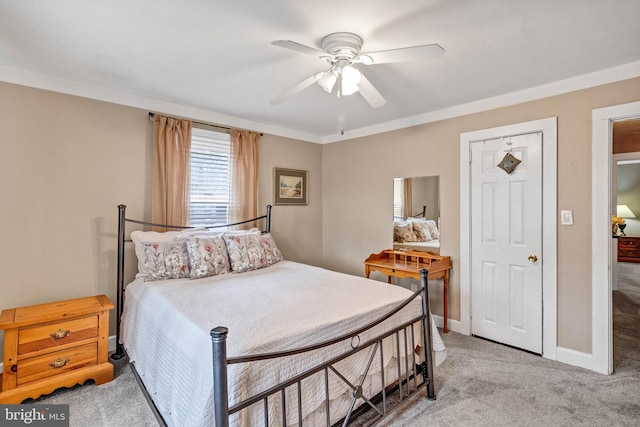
165	260
433	229
140	240
403	232
422	231
246	251
271	251
207	256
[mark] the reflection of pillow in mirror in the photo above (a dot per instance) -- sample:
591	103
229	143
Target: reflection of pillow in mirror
433	229
421	230
404	233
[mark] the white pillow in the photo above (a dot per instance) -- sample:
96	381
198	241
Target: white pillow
253	230
204	233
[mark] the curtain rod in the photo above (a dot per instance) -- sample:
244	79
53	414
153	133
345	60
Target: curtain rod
224	128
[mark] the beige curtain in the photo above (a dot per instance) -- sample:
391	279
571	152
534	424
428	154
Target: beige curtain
407	202
244	195
171	146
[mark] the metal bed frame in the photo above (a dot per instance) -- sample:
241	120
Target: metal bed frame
406	385
421	214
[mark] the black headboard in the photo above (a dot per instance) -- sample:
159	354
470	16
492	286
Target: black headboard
421	214
122	223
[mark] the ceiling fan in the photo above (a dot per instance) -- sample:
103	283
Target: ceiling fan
342	51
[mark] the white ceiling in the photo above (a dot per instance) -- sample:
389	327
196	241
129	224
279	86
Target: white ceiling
213	60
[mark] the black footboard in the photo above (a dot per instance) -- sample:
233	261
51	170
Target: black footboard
412	375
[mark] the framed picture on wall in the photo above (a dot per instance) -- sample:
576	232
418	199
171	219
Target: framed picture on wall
291	187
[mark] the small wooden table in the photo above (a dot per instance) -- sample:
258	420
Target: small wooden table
53	345
404	264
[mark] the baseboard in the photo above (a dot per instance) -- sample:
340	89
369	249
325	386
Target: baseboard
453	325
575	358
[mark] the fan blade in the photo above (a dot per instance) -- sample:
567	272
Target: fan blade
296	89
370	93
288	44
416	53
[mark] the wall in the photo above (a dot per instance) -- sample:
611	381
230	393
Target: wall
424	192
296	229
67	162
357	196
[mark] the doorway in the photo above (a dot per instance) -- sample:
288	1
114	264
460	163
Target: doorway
601	262
548	129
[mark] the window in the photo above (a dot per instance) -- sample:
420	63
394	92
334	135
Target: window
397	198
210	185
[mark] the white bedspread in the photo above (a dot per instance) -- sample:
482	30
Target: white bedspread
166	324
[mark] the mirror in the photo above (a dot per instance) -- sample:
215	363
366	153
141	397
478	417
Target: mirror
416	201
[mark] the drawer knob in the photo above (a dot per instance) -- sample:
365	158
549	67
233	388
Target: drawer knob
59	363
60	334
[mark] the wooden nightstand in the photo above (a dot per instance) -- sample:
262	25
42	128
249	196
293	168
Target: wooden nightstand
629	249
60	344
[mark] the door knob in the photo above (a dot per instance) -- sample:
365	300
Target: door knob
532	258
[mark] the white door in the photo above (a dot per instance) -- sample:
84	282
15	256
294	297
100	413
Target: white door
506	242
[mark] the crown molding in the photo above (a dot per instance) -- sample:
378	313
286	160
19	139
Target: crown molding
55	84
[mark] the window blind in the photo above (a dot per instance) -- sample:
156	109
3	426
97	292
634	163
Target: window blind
397	198
210	178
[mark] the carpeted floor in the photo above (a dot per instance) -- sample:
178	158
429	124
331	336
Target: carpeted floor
480	384
486	384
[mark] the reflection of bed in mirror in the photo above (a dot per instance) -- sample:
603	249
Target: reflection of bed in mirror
416	229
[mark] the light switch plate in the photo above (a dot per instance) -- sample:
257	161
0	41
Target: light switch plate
566	217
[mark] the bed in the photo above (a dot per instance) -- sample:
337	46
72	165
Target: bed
282	344
416	233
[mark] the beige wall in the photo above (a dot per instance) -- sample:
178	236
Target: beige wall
67	162
358	192
296	229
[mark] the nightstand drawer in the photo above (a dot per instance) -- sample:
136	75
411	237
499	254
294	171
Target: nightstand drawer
55	334
628	244
35	368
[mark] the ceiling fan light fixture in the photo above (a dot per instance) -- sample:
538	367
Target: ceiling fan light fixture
365	59
350	77
328	80
342	50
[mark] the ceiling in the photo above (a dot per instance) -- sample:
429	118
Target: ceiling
213	60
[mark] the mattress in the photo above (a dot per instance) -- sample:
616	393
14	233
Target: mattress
166	324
